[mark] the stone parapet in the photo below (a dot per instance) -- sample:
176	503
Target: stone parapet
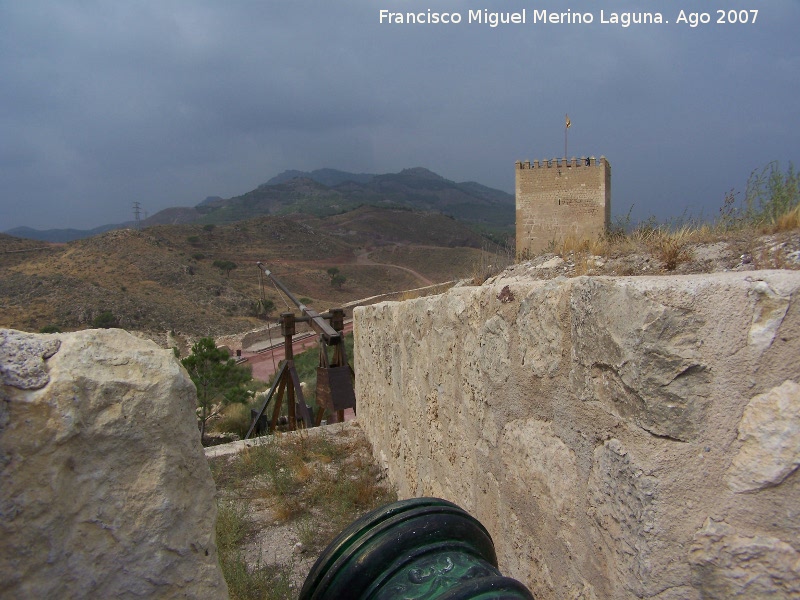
583	161
631	437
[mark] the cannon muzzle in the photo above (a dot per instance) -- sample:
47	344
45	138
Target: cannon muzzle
419	548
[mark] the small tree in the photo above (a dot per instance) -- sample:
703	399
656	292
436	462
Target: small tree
226	266
219	380
337	279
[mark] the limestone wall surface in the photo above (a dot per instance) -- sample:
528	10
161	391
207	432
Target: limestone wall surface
104	488
631	437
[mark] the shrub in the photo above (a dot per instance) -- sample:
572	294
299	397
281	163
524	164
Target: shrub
105	320
50	329
769	196
234	418
337	279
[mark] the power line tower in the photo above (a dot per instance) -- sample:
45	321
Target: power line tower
137	210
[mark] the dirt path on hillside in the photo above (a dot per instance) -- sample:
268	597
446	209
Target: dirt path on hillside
362	258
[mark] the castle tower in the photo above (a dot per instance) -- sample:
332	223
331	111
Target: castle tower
559	198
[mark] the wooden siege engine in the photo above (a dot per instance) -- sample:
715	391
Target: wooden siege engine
334	390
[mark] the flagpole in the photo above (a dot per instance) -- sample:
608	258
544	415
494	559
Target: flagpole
567	123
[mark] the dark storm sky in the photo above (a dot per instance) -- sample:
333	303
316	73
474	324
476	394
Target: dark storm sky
167	102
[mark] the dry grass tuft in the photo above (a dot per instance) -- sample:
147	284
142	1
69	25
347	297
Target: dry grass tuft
598	246
671	250
788	221
573	244
490	263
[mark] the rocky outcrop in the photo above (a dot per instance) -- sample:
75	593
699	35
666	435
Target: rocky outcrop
632	437
104	489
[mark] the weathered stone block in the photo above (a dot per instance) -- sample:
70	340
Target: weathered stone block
726	564
22	358
104	489
639	357
770	309
770	432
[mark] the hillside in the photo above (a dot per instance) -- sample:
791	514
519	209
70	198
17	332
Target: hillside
327	192
417	188
164	277
323	176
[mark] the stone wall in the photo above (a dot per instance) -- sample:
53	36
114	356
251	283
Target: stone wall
622	437
104	488
561	198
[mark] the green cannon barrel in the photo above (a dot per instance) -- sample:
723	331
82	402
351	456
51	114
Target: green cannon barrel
423	548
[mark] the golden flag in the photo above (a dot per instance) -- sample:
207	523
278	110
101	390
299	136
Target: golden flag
569	123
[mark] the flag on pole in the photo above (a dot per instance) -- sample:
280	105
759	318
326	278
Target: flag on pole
569	123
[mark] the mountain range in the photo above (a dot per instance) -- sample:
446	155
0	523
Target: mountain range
326	192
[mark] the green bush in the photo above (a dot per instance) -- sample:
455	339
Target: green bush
105	320
50	329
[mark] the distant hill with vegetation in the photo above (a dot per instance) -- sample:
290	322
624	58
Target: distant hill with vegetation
326	192
329	177
201	279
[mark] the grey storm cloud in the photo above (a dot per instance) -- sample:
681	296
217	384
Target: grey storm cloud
164	103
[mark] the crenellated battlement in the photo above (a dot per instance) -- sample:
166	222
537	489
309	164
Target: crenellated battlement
561	198
583	161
